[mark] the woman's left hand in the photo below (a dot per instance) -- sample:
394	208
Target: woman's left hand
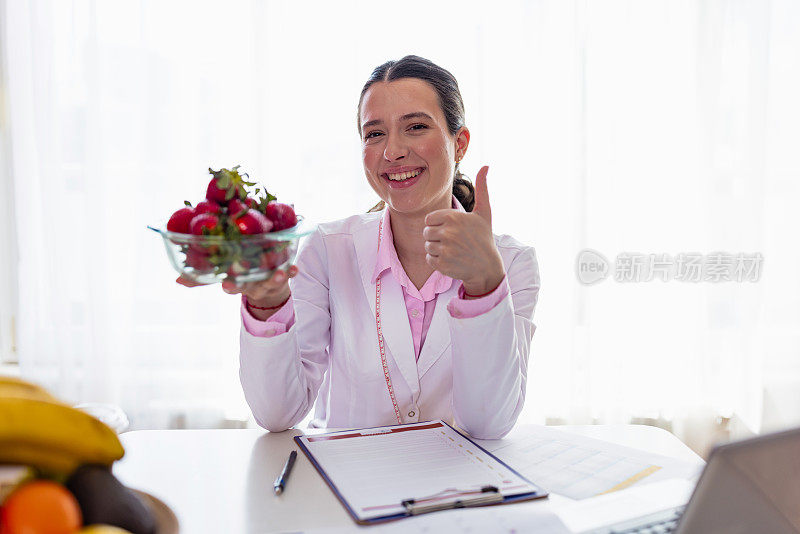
461	245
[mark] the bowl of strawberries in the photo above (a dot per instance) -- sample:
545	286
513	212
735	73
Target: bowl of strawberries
238	232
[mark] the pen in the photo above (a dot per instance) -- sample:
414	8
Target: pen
280	482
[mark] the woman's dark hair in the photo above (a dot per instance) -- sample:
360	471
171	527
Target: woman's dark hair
450	102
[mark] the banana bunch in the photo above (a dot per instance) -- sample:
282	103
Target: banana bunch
38	430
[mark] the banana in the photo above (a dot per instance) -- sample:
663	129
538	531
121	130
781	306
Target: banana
48	461
11	386
52	436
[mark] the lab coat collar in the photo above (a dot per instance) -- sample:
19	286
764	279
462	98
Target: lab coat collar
388	260
387	255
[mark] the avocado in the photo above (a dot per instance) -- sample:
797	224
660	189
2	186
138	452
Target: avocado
104	499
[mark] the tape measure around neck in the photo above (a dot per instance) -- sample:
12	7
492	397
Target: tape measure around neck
381	344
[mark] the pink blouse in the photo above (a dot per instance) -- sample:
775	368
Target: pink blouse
420	303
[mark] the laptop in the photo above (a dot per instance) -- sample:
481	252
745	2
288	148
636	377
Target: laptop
748	487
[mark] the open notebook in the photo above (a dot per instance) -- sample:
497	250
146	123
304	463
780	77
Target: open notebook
396	471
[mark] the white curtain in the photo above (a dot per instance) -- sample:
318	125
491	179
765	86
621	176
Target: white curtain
651	127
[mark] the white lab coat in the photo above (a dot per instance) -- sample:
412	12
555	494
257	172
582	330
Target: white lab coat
471	372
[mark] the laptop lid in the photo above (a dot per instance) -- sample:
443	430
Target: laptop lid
748	486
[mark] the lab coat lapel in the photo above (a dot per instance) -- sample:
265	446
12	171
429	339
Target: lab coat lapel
394	317
438	338
365	242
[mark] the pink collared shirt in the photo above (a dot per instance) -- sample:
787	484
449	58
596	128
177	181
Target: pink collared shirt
420	303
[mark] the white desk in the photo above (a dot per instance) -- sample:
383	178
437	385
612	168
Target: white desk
221	480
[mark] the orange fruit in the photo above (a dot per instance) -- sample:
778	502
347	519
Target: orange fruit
40	507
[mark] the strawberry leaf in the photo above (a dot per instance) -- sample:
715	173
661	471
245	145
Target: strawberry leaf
232	233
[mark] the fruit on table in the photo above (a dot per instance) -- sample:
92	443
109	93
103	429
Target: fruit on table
103	529
50	439
15	387
11	477
40	506
104	499
53	437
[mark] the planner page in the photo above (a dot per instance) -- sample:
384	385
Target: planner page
579	467
374	470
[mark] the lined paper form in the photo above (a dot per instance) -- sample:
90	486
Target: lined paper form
579	467
373	471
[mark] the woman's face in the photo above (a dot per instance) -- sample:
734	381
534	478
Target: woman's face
407	150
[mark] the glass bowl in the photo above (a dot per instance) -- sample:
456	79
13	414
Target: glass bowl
211	259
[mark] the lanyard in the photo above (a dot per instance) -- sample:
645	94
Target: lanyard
381	345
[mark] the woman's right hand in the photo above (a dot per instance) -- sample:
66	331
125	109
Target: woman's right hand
264	294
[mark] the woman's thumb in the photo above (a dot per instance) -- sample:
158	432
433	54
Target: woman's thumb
482	206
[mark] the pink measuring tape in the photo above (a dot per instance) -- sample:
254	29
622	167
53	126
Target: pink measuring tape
381	345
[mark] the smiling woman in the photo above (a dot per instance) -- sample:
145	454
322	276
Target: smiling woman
387	316
653	127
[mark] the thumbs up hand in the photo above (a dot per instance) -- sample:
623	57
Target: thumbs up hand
482	206
461	245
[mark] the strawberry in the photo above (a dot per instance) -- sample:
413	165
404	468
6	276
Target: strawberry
179	221
251	203
235	207
207	206
281	215
272	259
198	260
252	222
203	224
225	185
215	193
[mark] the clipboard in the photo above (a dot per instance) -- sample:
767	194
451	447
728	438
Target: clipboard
388	473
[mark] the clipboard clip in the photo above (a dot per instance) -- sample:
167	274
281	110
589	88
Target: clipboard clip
449	499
